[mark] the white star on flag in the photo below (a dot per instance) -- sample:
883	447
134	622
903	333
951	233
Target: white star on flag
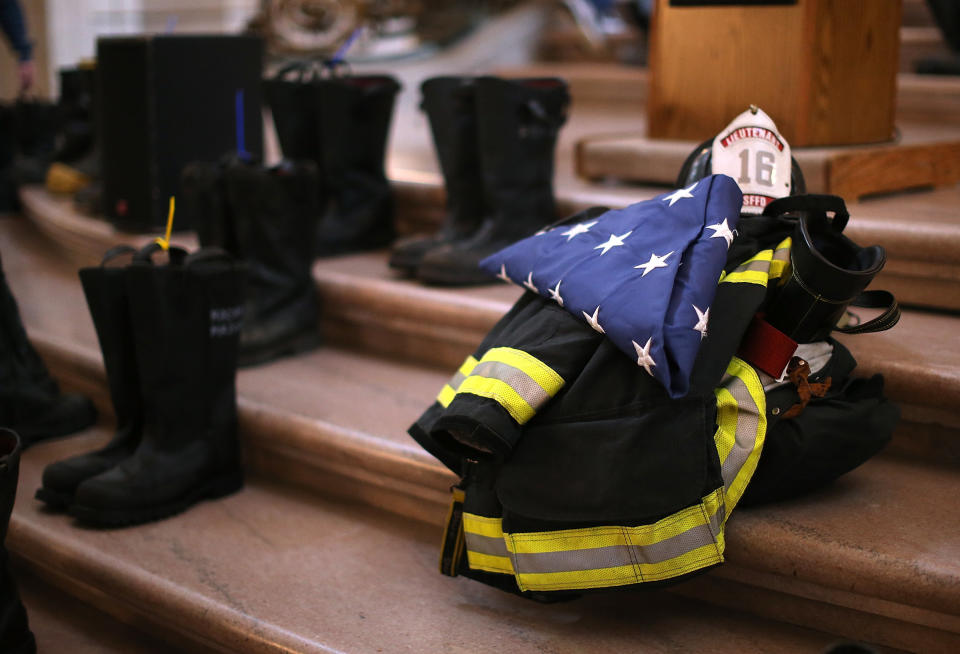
592	320
529	283
722	230
680	194
643	356
576	230
655	262
702	318
555	294
612	242
503	274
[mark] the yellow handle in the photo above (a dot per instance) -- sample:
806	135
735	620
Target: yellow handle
165	241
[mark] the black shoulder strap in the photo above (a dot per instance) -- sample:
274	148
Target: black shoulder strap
209	254
875	300
117	251
821	204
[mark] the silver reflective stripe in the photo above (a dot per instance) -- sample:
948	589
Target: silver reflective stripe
525	386
486	544
615	555
761	265
748	423
573	560
456	380
717	519
783	254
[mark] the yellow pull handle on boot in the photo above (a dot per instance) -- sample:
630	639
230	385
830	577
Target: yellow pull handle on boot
64	179
165	241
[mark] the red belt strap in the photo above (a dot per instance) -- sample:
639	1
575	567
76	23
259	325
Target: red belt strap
766	348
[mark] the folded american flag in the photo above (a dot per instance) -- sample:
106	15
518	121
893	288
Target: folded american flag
644	276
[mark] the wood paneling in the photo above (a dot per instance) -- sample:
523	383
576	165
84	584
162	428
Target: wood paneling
823	69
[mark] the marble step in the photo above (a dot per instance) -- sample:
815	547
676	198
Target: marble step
367	306
274	570
77	237
919	42
920	231
62	622
916	13
874	556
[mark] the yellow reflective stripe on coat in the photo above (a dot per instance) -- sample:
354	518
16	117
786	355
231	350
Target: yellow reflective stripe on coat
761	267
486	549
516	380
450	388
755	270
741	428
780	263
596	557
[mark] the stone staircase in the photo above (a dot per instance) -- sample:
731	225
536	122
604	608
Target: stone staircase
873	557
332	545
277	568
274	569
919	35
65	623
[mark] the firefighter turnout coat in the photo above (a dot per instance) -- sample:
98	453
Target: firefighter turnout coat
600	445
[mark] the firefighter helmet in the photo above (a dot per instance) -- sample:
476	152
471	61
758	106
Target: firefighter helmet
752	151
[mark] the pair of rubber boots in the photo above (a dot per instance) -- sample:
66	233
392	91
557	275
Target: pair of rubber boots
30	399
77	113
64	131
495	140
341	124
267	217
169	335
15	635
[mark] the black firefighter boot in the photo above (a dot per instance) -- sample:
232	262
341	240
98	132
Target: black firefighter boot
353	122
76	110
78	168
273	216
450	106
30	399
203	203
105	289
15	636
828	272
518	124
186	325
291	98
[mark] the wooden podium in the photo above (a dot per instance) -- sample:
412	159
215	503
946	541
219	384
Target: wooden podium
824	70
